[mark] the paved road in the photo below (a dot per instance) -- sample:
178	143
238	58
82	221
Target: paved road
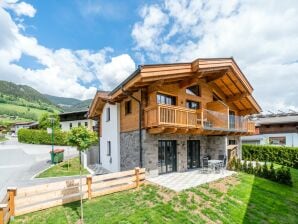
20	162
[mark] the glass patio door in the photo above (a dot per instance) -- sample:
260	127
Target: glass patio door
193	154
167	156
232	119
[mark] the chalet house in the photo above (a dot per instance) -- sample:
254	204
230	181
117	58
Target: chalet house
69	120
274	129
166	117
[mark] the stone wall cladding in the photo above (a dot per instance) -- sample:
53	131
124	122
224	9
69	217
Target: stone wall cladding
129	150
216	145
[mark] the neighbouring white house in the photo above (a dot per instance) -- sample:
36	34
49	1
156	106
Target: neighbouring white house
19	125
73	119
274	129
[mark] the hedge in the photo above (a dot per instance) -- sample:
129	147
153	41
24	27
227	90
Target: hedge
287	156
32	136
280	175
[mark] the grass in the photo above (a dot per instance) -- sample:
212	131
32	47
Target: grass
62	169
242	198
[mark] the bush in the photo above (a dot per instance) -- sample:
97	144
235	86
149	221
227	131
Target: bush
286	156
32	136
281	175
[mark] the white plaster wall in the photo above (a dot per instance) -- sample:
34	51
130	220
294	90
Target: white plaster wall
65	125
291	138
110	132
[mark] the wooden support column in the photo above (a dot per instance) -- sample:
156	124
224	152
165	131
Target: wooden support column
89	183
2	215
12	192
137	173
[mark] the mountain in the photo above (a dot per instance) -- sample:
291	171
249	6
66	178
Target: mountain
23	103
69	104
23	92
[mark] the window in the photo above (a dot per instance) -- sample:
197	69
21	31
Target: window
128	107
232	142
108	114
192	104
277	140
108	148
166	99
79	124
86	124
70	125
193	90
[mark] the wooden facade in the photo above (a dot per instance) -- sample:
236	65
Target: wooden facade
224	99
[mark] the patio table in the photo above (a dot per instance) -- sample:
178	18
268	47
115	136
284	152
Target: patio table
215	162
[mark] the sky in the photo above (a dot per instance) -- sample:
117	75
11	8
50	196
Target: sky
71	48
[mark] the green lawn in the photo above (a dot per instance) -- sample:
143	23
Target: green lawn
242	198
66	168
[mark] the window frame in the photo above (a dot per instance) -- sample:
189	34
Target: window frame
108	114
192	93
126	111
109	146
167	98
192	101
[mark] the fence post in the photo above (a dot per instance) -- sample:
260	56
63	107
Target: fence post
12	191
89	182
137	173
2	215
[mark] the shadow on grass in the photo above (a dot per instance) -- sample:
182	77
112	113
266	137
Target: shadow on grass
271	202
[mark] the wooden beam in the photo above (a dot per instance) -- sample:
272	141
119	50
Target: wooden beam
218	91
236	97
155	85
182	131
156	130
188	82
216	76
170	130
245	112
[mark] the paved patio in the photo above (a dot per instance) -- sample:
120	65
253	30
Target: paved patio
181	181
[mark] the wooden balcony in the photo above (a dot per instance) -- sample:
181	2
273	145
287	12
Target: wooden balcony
172	119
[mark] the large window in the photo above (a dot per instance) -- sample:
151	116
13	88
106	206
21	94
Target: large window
108	148
192	104
128	107
193	90
166	99
277	140
108	114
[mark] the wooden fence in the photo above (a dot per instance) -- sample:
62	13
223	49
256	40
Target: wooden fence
30	199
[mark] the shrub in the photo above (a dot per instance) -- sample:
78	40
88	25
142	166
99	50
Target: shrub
287	156
281	175
32	136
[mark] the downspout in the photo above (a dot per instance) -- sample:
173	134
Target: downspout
140	122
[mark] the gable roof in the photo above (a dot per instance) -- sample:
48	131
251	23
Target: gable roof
222	74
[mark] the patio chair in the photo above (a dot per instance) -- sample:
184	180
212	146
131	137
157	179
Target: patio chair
205	165
223	159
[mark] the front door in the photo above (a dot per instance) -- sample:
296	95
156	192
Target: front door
193	154
167	156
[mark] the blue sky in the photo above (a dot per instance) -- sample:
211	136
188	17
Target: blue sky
72	48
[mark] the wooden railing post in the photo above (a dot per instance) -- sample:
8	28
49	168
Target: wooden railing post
2	215
89	182
12	191
137	173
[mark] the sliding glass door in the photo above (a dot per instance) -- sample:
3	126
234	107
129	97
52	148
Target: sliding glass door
167	156
193	154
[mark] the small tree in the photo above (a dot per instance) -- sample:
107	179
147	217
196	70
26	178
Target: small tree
44	122
81	138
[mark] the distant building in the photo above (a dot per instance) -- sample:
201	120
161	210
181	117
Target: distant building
274	129
19	125
73	119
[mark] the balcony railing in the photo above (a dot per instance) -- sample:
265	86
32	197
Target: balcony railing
174	116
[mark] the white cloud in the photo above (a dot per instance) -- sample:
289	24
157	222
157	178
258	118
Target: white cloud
21	9
63	72
262	36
